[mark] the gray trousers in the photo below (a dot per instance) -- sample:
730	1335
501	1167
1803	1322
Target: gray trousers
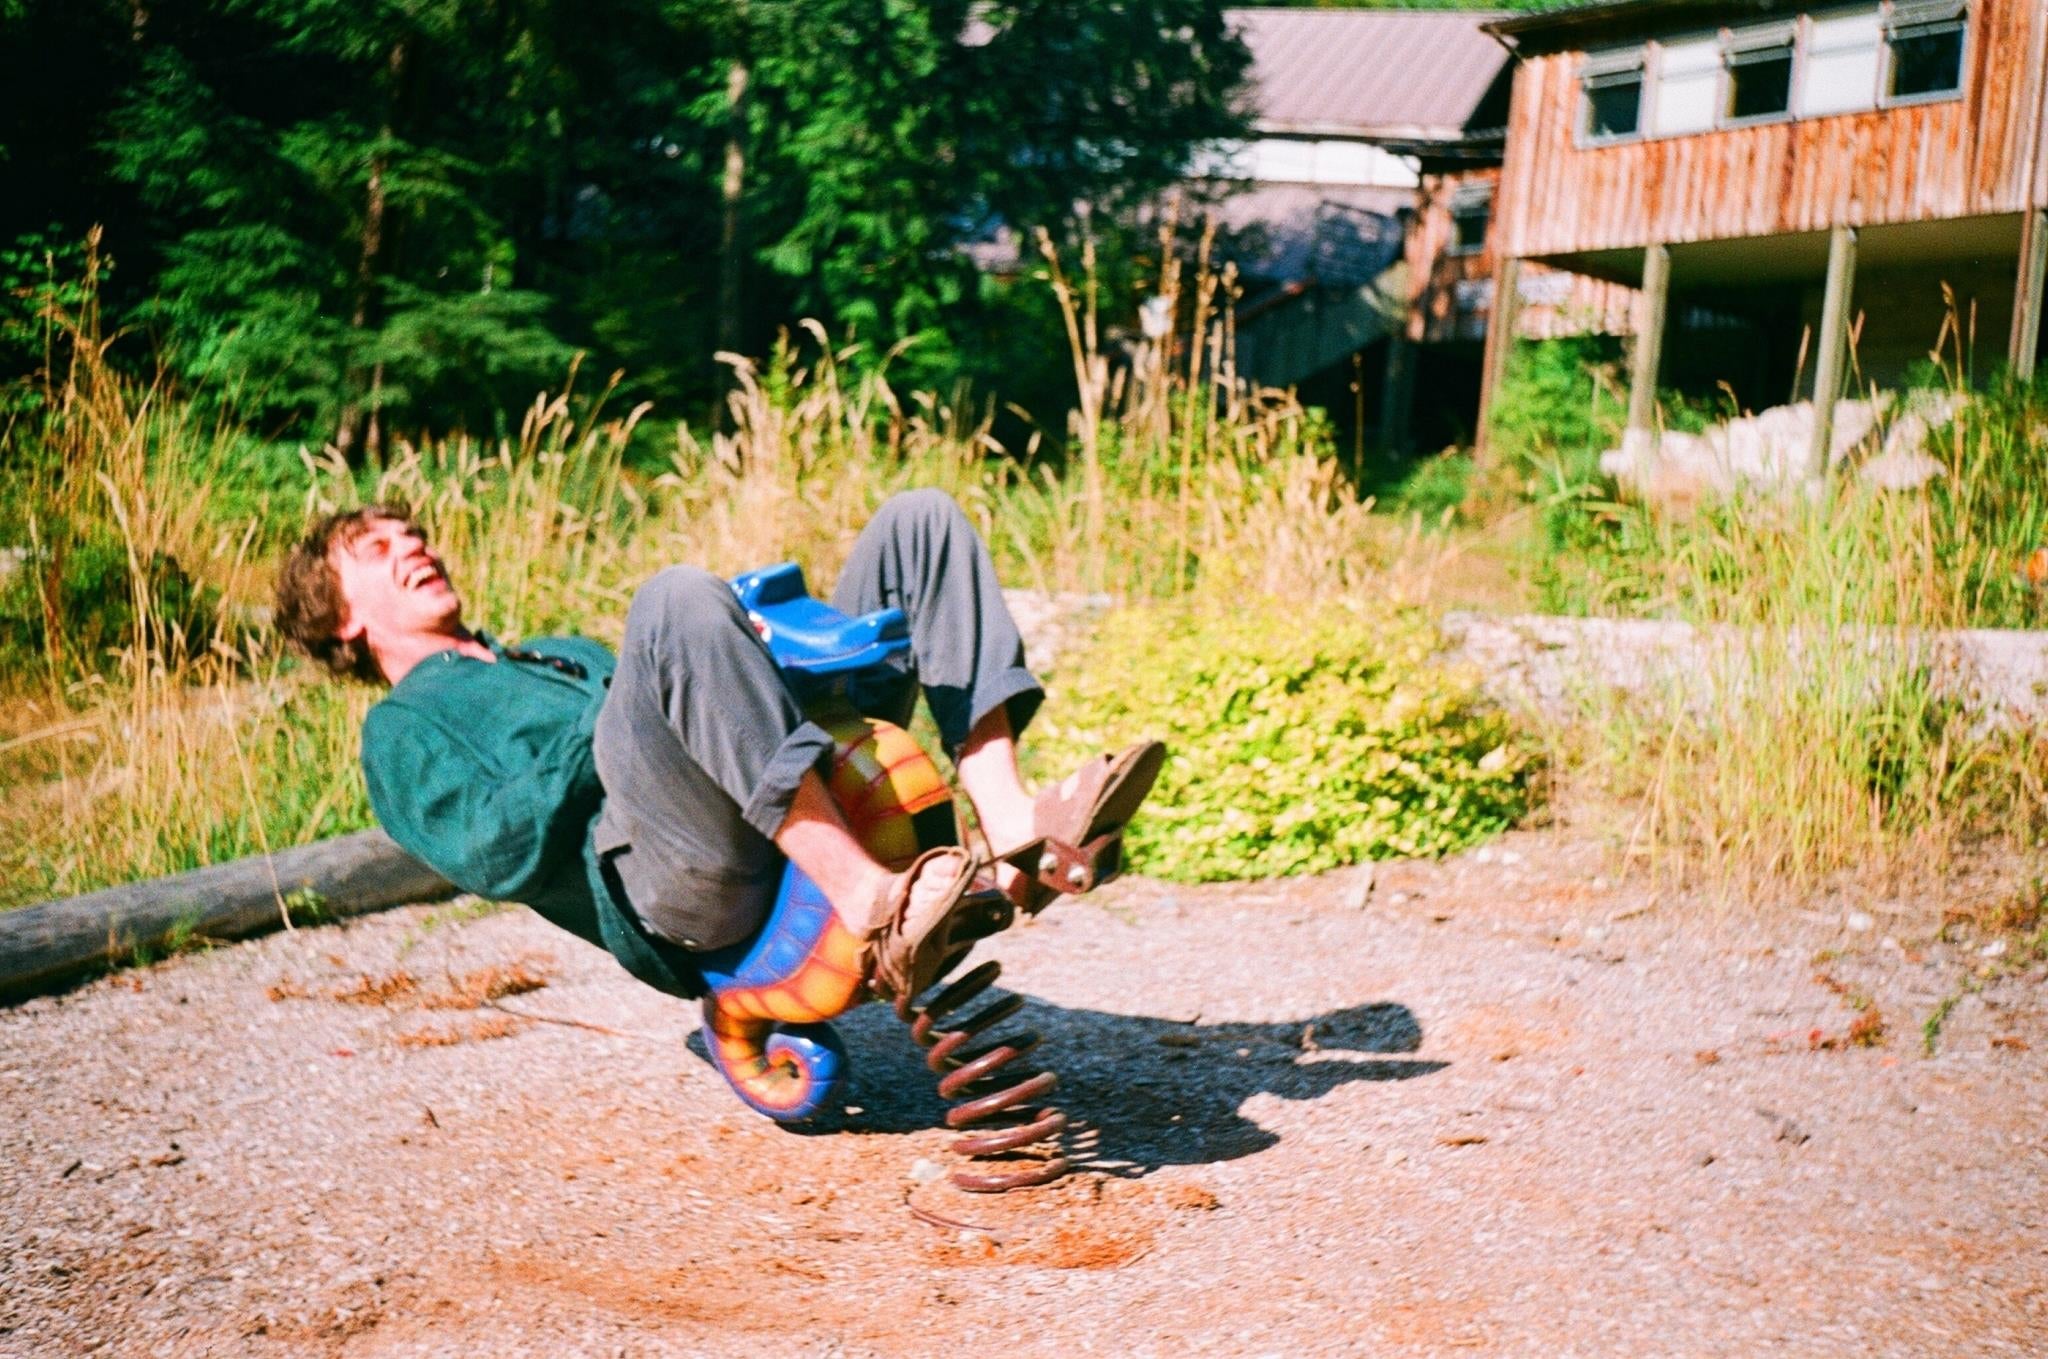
700	744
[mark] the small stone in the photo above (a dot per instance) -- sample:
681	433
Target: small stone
1705	1158
1859	921
1994	949
1395	1156
1361	890
924	1170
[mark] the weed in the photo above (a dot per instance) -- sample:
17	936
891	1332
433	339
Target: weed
459	912
182	937
305	906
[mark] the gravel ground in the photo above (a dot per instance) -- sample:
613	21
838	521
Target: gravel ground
1491	1105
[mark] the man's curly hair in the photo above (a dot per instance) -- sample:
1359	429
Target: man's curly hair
309	603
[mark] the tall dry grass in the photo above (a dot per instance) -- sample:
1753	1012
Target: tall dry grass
1823	731
193	749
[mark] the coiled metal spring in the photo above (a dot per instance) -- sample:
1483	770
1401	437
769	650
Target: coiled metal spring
996	1120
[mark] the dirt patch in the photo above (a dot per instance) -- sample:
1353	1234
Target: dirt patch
486	984
402	990
476	1031
393	988
1500	1104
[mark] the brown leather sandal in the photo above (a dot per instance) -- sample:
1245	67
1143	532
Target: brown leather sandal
905	952
1080	822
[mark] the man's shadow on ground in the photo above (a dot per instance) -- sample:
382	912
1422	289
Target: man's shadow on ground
1140	1092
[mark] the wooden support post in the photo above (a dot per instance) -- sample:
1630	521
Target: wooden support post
1647	356
1503	317
1397	394
1834	346
2028	294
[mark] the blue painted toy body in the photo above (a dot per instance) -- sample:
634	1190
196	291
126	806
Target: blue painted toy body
768	996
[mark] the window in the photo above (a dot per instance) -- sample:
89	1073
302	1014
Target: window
1924	42
1759	73
1613	85
1688	86
1843	53
1846	59
1471	217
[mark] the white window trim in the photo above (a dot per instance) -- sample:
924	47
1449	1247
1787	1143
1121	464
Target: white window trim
1468	197
1807	52
1737	43
1634	61
1909	15
1643	62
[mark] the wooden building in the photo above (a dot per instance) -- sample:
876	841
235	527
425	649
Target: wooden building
1781	180
1327	191
1366	194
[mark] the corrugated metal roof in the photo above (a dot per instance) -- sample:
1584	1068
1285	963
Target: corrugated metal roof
1333	72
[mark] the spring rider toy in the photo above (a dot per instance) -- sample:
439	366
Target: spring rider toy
769	997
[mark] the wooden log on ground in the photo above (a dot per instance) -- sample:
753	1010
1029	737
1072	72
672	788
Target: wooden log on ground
46	945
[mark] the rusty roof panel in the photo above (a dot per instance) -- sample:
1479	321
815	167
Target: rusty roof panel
1409	73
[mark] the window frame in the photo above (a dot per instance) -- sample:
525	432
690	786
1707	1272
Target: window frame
1606	69
1751	45
1921	17
1466	198
1642	63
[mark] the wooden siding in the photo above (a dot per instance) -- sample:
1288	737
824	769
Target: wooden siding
1961	157
1451	296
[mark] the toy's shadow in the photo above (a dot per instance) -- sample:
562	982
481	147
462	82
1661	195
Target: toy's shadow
1140	1092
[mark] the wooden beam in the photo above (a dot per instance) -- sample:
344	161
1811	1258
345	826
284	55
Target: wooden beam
1397	394
1646	358
45	945
1834	346
1503	317
2028	295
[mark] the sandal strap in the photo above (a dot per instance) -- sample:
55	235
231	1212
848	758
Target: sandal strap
893	955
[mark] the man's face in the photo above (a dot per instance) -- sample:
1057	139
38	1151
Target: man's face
392	585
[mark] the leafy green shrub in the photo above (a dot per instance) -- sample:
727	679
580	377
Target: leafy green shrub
1432	487
1560	402
1301	739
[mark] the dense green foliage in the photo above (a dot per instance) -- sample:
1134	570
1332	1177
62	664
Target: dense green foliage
1301	739
402	214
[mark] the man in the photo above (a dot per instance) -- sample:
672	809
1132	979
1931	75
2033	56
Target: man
648	802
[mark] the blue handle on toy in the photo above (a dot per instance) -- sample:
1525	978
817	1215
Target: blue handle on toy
811	637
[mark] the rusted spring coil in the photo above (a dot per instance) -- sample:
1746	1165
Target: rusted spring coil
1001	1118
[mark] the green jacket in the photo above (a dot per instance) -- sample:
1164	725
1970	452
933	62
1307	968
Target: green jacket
484	772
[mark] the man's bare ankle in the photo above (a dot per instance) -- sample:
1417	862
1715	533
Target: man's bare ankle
863	905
